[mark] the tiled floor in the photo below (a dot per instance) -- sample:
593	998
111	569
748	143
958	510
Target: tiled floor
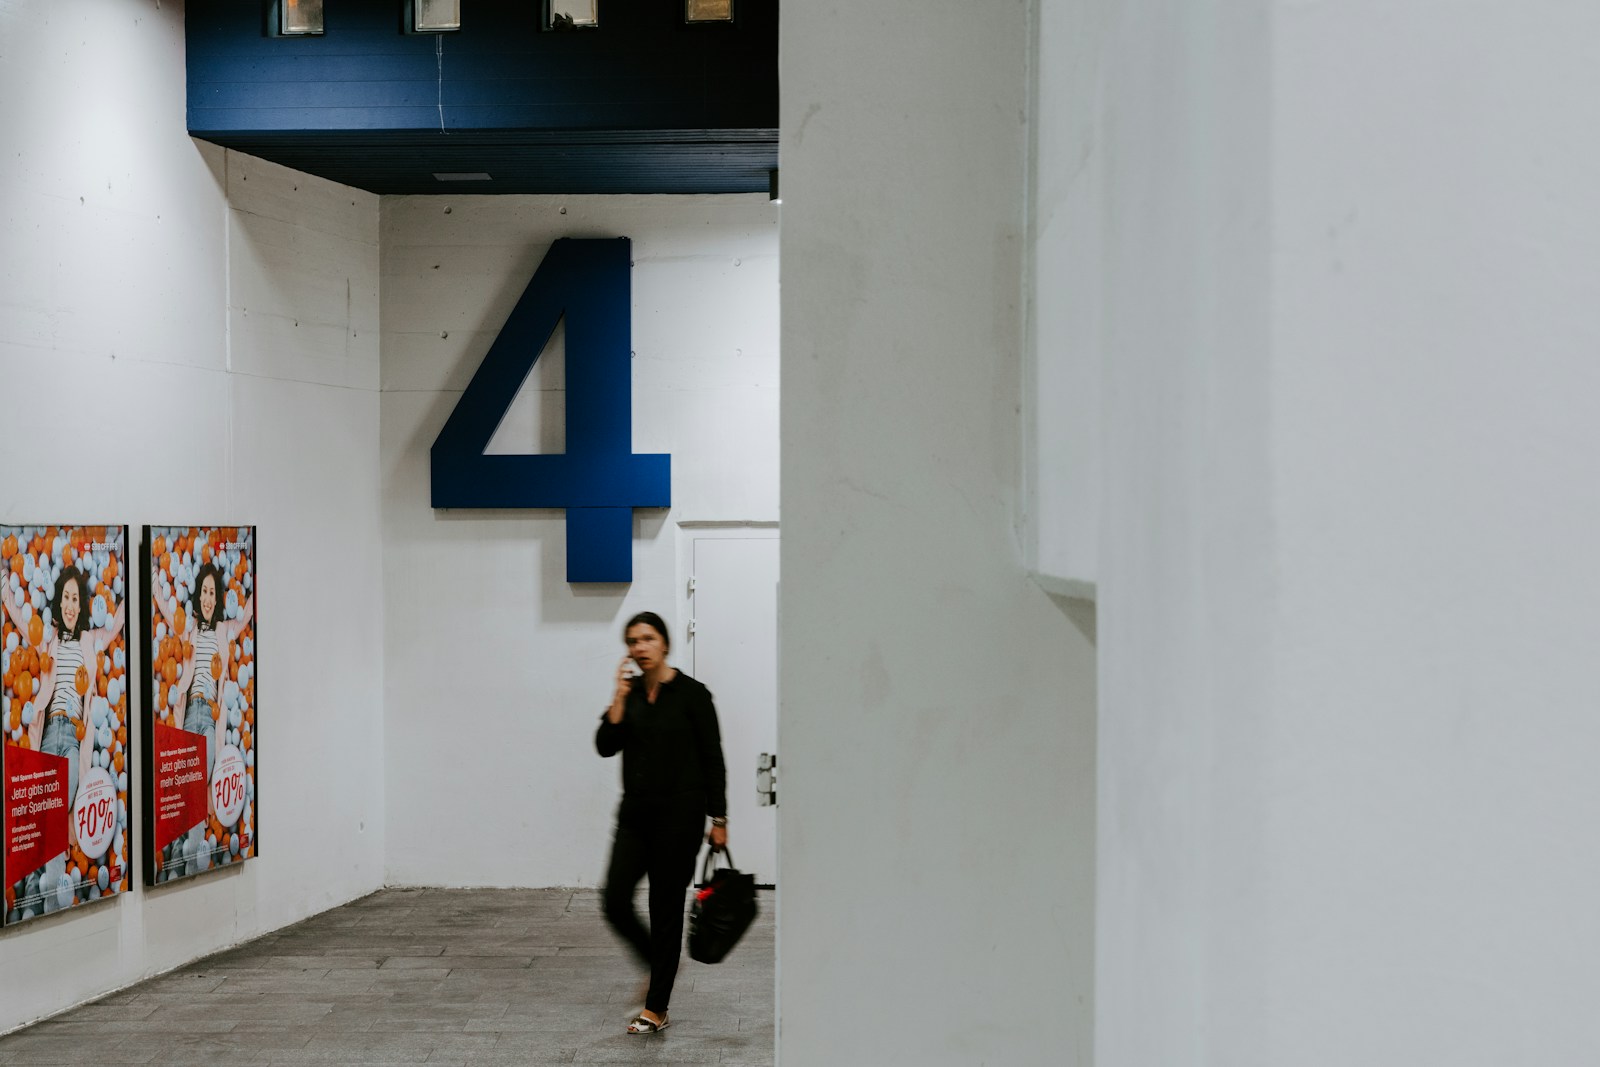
434	976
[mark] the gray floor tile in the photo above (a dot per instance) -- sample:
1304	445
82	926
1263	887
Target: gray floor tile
475	978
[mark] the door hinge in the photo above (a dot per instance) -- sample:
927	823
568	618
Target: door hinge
691	627
767	780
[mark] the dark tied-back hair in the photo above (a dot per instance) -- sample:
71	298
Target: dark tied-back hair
652	620
71	573
214	572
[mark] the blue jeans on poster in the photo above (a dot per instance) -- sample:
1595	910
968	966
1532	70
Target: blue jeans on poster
197	720
61	739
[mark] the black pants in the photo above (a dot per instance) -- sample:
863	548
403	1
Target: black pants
664	845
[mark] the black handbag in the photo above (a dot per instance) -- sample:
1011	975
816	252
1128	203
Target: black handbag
723	910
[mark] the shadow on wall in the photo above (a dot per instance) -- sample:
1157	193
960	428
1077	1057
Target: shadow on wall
1083	614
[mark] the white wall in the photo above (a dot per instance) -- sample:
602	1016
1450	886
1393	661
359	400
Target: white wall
937	724
1348	575
1433	439
501	668
1187	548
191	335
1068	204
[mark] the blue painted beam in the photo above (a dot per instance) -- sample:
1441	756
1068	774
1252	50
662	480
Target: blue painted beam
640	71
686	162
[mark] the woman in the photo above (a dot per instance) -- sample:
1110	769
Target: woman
74	647
210	640
665	726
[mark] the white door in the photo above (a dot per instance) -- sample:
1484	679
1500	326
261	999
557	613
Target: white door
734	608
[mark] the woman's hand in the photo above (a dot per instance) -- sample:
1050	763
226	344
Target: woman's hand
619	699
718	838
626	672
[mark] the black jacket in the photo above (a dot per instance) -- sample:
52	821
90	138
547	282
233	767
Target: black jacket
671	750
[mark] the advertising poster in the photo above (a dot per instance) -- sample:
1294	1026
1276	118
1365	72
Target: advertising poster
64	761
200	700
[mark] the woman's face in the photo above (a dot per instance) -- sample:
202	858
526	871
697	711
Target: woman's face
646	645
71	606
208	599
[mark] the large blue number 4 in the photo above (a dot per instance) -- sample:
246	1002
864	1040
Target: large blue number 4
599	479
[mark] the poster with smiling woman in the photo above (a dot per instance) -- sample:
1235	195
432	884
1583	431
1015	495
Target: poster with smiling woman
64	713
200	699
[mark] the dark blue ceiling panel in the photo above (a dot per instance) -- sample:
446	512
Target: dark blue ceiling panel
392	164
642	104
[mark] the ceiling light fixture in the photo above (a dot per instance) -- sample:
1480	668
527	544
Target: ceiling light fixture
571	14
697	12
296	18
433	16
